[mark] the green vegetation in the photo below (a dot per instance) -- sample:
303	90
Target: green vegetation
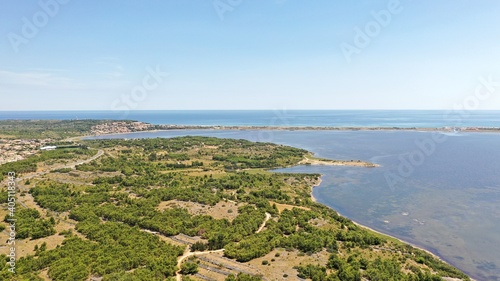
44	129
355	267
112	250
189	268
243	277
30	225
118	209
4	196
30	164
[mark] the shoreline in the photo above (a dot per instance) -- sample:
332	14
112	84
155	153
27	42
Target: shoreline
330	162
317	161
318	183
166	128
448	129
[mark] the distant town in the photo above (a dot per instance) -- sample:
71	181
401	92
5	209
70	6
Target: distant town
15	150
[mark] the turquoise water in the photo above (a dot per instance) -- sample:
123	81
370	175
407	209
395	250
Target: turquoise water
448	203
326	118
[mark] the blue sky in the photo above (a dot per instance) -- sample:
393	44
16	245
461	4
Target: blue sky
249	54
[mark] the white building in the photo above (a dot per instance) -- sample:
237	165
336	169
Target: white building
48	147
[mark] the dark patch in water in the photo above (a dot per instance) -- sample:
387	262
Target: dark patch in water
486	265
403	231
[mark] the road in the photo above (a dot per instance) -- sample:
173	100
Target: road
187	253
72	166
20	180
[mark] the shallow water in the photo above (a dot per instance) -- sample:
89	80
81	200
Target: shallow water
442	196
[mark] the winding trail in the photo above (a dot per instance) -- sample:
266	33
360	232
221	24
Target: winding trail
268	216
73	165
22	187
188	254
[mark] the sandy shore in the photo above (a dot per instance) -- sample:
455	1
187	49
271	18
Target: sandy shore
325	128
166	128
328	162
318	183
312	128
317	161
369	228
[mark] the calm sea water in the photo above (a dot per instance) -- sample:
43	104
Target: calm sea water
333	118
446	202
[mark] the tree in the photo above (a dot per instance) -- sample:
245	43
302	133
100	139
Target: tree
189	268
243	277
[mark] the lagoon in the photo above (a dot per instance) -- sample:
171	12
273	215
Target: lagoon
447	204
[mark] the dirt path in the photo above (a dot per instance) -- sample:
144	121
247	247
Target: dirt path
28	198
72	166
188	254
268	216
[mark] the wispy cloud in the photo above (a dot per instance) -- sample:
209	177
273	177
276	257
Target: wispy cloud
51	80
58	70
36	78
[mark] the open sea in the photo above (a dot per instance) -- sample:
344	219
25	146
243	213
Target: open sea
439	191
317	118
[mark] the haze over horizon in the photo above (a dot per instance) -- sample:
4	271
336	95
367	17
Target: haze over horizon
282	54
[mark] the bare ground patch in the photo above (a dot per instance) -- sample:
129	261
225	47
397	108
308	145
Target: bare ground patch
217	263
222	210
284	262
282	207
25	247
44	274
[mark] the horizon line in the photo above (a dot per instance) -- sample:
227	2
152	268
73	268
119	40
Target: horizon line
269	109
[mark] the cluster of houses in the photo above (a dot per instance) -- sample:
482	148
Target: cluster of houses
15	150
119	127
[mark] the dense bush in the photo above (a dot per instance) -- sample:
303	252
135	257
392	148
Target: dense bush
29	224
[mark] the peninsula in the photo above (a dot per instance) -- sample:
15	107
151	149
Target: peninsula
189	208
